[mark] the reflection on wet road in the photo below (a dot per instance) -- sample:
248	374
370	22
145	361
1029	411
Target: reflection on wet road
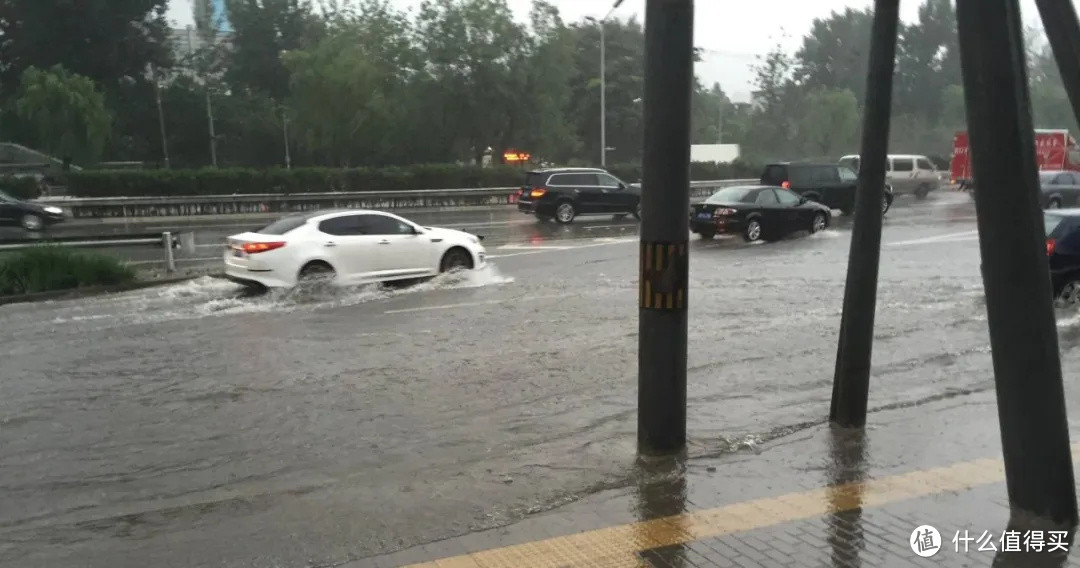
193	425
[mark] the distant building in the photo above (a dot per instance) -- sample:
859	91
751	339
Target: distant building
185	42
219	16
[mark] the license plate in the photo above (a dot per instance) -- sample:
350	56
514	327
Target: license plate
704	215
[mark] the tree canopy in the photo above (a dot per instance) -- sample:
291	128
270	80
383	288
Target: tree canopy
362	83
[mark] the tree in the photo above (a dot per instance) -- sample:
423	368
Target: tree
545	78
774	107
835	53
263	31
625	66
928	60
66	112
111	42
830	126
473	47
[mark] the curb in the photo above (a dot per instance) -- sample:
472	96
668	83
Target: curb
77	293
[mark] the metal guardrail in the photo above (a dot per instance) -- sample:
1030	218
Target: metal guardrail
167	241
343	195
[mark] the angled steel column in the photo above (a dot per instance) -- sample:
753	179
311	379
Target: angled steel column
851	382
1063	31
1012	240
665	231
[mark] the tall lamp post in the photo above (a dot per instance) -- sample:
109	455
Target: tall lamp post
603	81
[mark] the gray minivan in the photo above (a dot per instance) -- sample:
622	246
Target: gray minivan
906	173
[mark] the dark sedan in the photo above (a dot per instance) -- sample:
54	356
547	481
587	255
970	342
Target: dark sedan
1063	252
757	213
30	216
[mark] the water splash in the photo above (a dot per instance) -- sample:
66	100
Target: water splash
214	297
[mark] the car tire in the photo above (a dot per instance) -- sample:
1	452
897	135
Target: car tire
32	222
707	235
922	191
637	211
1070	293
886	203
565	213
316	271
455	259
752	231
818	223
1054	203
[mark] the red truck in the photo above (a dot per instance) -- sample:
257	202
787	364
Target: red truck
1054	150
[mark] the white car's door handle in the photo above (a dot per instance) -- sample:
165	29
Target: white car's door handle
384	242
329	244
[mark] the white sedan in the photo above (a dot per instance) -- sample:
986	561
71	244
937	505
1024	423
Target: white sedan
351	247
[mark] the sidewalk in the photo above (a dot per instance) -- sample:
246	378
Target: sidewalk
817	497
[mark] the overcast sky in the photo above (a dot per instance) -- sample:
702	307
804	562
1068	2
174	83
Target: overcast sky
732	31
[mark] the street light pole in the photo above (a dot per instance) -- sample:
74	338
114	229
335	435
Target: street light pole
603	81
603	96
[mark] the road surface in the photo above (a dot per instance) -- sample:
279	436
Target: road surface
191	425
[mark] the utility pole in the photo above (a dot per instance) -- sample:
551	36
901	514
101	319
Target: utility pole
851	381
720	123
213	136
161	116
665	200
1012	240
285	131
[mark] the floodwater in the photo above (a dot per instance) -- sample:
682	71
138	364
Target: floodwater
194	424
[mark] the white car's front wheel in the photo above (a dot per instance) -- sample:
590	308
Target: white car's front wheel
456	259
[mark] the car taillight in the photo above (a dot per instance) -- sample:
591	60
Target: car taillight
1050	245
724	212
252	248
538	192
786	185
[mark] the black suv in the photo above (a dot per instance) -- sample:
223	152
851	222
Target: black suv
827	184
565	193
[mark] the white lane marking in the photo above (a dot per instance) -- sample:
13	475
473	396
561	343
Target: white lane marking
534	247
468	304
951	237
596	243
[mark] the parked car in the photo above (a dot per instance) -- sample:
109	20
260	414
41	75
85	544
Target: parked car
757	213
1059	189
564	193
905	173
348	247
30	216
1063	252
829	184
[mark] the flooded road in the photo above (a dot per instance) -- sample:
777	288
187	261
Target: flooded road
193	425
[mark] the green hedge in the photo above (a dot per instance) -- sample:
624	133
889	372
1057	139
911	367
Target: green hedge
47	268
128	183
20	187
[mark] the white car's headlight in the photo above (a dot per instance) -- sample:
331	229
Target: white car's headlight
54	210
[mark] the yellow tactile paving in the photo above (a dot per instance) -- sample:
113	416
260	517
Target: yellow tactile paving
618	546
